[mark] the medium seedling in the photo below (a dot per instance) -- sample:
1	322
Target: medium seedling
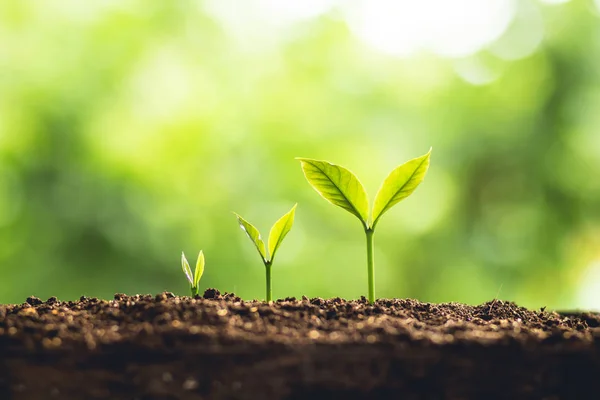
193	279
276	235
342	188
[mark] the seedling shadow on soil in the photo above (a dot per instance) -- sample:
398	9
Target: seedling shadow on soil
222	347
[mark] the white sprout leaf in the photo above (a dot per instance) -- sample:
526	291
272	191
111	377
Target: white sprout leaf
186	268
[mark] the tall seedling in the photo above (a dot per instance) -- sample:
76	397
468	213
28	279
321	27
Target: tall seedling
276	235
342	188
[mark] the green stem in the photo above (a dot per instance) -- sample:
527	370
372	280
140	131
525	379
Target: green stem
370	264
268	270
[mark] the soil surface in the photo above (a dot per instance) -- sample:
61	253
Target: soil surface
221	347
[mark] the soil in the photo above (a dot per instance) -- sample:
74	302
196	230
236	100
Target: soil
221	347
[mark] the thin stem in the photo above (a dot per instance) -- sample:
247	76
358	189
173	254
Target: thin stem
268	271
370	264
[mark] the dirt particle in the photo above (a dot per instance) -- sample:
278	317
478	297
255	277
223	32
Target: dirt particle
160	297
34	301
222	312
28	311
194	330
317	301
167	377
211	293
51	343
190	384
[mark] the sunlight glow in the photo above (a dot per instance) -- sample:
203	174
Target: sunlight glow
554	1
588	295
451	28
454	28
474	71
523	36
256	23
285	12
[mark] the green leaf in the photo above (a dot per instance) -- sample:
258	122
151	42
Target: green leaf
254	235
186	268
199	269
400	184
279	230
337	185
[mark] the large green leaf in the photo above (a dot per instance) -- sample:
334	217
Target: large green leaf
337	185
186	268
279	230
254	235
199	269
399	184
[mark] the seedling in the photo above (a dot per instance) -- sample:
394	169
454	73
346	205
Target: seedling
276	235
193	279
342	188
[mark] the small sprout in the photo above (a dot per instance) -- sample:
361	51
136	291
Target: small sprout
193	279
342	188
278	232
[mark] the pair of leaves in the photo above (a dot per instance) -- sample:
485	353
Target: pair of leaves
342	188
278	232
195	278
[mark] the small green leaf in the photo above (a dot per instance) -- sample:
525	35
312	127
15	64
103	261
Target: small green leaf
254	235
400	184
337	185
279	230
186	268
199	269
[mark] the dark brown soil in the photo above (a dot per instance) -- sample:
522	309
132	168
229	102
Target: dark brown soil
221	347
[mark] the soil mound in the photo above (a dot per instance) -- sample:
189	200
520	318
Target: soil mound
221	347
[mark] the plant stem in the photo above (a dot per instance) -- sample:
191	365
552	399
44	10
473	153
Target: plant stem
370	264
268	270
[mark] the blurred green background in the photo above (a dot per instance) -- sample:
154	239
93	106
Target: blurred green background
130	130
